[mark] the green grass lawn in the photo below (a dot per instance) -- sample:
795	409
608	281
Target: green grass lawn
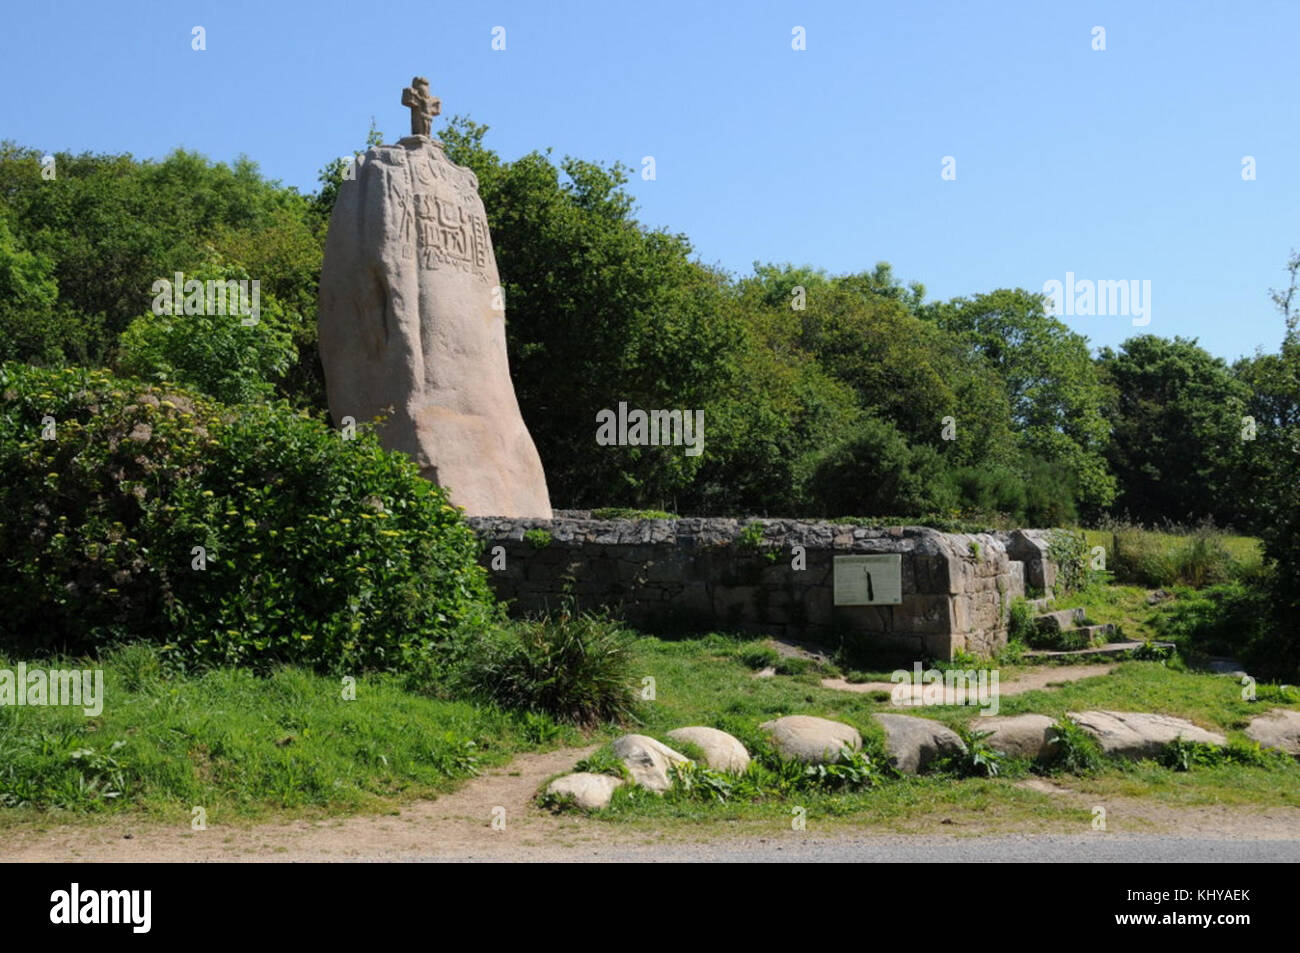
1242	549
247	747
1124	606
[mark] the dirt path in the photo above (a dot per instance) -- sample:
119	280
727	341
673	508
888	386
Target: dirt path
458	827
1028	682
458	823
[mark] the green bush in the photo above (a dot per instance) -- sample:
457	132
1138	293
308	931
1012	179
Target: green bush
317	551
1234	619
876	471
214	353
603	761
979	760
538	538
573	667
1183	755
1020	621
1069	550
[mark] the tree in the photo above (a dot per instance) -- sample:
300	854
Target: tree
110	226
218	354
600	310
861	331
1055	393
33	326
1274	462
1176	420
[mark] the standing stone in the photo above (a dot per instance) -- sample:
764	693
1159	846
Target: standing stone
412	324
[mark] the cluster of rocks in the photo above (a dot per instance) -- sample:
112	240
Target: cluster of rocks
765	576
1130	734
913	744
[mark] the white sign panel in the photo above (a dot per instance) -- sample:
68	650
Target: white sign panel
869	580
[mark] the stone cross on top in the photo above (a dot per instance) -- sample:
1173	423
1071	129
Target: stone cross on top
423	105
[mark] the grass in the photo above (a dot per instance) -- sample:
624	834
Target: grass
707	681
1124	606
1165	558
246	746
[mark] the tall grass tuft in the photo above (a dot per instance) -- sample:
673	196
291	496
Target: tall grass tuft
573	667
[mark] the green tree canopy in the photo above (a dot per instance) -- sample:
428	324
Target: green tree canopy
1176	420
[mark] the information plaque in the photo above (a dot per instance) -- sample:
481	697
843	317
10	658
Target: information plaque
869	580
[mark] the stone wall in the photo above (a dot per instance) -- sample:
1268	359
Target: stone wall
701	574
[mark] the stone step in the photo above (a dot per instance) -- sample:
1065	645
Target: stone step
1100	651
1061	620
1040	605
1105	631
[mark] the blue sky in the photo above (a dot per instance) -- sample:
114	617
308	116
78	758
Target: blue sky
1116	164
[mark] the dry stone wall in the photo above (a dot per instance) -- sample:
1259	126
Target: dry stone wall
701	574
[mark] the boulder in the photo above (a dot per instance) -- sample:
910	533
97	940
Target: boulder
913	743
722	752
1131	734
1018	736
647	761
590	791
810	739
1279	728
412	327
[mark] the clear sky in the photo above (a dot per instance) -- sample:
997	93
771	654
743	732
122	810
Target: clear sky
1117	164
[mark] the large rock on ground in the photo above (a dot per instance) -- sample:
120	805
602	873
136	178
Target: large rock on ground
913	743
412	319
722	752
1018	736
1279	728
648	761
590	791
810	739
1131	734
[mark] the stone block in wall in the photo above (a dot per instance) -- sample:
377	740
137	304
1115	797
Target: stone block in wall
941	645
814	606
923	613
735	604
871	619
1015	581
1030	546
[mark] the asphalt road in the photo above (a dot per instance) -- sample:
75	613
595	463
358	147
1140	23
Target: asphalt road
1097	848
